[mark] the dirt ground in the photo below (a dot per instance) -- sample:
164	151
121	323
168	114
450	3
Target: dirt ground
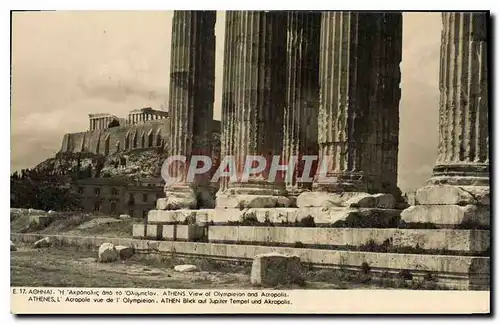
71	267
77	267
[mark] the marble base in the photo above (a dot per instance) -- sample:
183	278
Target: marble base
251	201
341	216
453	195
178	198
345	199
448	214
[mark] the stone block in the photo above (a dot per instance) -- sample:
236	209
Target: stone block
447	214
138	230
345	199
124	252
272	269
352	217
184	199
251	201
361	200
40	221
326	199
107	253
153	231
191	233
185	268
439	239
179	216
453	195
43	243
12	246
150	231
384	200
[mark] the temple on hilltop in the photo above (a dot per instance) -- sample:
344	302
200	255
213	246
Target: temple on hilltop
133	149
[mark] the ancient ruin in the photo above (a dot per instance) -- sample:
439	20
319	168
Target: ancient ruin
326	84
341	99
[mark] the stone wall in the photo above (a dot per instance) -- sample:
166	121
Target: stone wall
151	134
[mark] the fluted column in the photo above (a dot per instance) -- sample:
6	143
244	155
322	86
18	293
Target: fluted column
344	101
463	148
385	95
191	101
358	119
302	93
458	192
228	94
259	94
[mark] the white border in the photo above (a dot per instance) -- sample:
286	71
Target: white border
164	5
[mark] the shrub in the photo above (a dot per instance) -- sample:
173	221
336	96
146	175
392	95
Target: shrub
365	268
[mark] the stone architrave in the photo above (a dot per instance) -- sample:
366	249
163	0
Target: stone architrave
461	174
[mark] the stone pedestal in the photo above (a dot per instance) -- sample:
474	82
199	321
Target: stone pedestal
458	191
191	104
255	54
358	111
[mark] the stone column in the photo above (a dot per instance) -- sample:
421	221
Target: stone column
359	92
302	93
191	104
257	86
458	191
228	94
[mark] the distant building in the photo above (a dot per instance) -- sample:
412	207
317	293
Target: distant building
113	196
108	134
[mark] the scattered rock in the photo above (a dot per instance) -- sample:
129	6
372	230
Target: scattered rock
273	269
107	253
12	246
124	216
35	211
97	222
384	200
43	243
362	201
40	221
51	212
185	268
124	252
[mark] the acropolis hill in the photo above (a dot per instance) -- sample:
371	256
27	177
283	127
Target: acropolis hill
144	128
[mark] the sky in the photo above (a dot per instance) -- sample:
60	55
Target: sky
68	64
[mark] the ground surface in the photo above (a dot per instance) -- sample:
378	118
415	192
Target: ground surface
71	267
77	267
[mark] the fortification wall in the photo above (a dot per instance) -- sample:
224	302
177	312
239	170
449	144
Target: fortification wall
122	138
153	133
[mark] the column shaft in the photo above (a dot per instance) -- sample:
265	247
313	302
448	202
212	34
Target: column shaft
358	106
191	98
463	149
302	92
228	95
260	95
255	79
